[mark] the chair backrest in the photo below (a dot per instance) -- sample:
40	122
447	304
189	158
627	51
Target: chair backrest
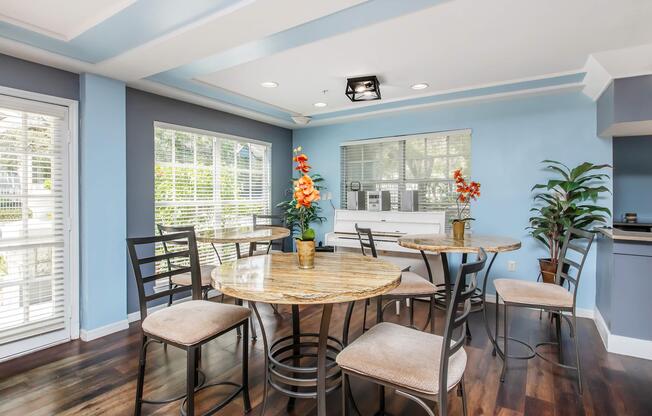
271	219
574	250
457	314
366	240
172	229
186	251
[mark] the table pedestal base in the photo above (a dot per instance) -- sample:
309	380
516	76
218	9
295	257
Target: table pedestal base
302	365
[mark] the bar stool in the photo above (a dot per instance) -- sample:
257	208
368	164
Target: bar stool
184	325
418	365
551	297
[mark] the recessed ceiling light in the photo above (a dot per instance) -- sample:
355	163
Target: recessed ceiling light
320	105
269	84
421	86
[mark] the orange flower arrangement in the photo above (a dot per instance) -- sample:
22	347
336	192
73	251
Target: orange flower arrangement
466	192
304	188
305	194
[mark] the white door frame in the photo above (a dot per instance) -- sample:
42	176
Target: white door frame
72	189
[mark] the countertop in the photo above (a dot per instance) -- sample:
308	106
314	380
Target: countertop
620	235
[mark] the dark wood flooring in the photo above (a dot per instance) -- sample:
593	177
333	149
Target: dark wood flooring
99	377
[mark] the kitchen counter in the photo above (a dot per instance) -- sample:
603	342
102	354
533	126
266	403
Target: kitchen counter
623	286
616	234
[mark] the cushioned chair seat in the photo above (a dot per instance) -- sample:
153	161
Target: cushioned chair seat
188	323
533	293
413	284
185	280
401	356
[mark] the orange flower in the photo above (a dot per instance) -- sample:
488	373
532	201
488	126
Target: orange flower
302	164
305	192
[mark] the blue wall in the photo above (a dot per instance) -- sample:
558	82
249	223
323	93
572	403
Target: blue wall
510	138
633	177
103	222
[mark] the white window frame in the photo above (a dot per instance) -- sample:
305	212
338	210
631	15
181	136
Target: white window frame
162	283
389	139
71	189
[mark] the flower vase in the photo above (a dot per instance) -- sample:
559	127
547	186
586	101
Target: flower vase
458	230
306	254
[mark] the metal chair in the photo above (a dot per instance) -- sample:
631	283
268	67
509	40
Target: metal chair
418	365
184	279
268	220
413	286
551	297
185	325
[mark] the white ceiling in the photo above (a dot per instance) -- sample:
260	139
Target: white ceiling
59	19
451	46
454	45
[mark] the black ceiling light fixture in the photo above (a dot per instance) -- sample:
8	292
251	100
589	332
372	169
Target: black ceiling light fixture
363	88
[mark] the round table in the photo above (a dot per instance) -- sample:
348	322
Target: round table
242	235
277	279
444	243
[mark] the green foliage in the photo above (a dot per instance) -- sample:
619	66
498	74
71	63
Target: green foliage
569	200
298	220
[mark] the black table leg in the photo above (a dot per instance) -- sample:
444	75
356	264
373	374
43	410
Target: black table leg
321	358
296	350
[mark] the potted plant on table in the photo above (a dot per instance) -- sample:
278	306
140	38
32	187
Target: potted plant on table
466	192
567	200
302	210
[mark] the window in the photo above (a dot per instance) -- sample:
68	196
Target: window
35	274
422	162
209	180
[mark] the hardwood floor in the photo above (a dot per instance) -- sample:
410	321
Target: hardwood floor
99	377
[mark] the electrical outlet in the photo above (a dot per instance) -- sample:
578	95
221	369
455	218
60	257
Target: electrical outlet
511	266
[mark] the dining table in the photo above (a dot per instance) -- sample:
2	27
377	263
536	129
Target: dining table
242	235
445	244
302	364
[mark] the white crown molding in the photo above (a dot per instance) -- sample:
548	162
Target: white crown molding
597	78
479	99
189	97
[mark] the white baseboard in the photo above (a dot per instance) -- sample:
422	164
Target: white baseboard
618	344
89	335
581	312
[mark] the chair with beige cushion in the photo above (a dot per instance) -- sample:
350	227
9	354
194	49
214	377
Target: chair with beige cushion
184	279
552	297
186	325
412	286
418	365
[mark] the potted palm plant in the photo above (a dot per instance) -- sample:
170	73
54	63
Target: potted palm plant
568	200
303	210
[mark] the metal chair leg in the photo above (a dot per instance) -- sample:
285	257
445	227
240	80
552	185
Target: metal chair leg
141	376
364	316
558	331
191	372
245	367
577	353
493	351
411	311
505	334
345	389
462	390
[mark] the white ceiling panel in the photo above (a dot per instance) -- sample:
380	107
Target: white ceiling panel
454	45
62	19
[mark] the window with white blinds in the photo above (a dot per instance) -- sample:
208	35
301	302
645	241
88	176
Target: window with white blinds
210	180
33	208
422	162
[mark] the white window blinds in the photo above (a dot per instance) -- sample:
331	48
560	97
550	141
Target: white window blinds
209	181
422	162
33	208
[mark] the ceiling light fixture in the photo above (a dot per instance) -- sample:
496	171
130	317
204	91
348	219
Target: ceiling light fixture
363	88
269	84
421	86
301	120
320	105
